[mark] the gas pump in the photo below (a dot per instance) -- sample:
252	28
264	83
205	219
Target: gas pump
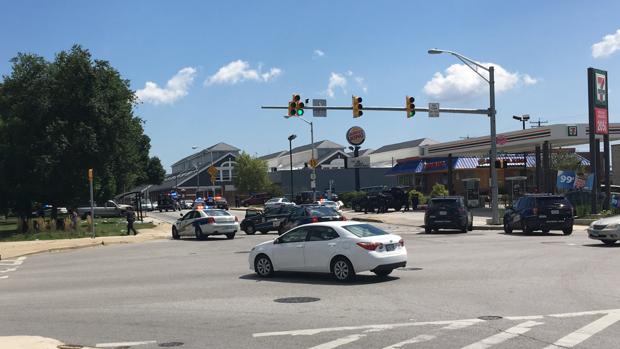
518	185
472	191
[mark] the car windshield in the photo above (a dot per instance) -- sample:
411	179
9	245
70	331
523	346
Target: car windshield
364	230
330	204
322	211
444	203
216	213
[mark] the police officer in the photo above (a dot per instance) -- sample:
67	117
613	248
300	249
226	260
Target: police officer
131	217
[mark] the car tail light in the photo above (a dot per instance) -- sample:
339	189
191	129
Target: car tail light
210	220
370	246
343	218
401	242
315	219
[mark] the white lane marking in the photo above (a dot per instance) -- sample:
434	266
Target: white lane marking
593	312
4	277
416	339
462	324
340	341
123	344
521	318
314	331
8	270
504	335
572	339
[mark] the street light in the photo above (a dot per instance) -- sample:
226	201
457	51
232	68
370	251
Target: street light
290	154
473	65
522	118
313	178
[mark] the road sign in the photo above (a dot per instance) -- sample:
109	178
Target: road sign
312	184
313	163
359	162
433	110
319	112
313	176
212	170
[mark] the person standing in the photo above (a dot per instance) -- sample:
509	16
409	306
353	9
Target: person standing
415	200
131	217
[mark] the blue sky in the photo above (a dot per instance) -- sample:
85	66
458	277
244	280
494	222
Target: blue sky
225	59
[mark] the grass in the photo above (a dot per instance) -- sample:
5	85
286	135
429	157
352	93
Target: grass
103	227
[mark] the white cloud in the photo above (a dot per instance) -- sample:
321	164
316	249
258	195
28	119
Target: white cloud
318	53
239	71
336	80
460	82
609	45
176	88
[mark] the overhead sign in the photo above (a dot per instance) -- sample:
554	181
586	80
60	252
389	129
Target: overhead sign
599	118
356	136
319	112
359	162
433	110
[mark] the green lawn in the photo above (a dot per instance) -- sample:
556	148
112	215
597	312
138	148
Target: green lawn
103	227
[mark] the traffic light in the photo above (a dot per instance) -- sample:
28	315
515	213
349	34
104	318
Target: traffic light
410	106
300	107
357	106
293	106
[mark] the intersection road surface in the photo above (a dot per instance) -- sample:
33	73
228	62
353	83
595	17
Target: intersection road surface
483	289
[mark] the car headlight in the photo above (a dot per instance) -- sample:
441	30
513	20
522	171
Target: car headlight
613	226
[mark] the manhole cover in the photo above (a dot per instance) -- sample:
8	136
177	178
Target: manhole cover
297	300
70	346
409	269
170	344
490	317
242	252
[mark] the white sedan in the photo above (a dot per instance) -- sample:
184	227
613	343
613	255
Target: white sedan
340	248
201	223
607	230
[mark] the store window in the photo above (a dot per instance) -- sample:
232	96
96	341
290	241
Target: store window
226	171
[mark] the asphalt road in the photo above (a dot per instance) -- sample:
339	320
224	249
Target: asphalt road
546	288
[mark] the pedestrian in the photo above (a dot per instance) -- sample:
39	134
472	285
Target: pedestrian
406	202
74	219
237	200
131	217
415	200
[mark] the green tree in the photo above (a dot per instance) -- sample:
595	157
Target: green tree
251	174
59	118
564	161
439	190
155	172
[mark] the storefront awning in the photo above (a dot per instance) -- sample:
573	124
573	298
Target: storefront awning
403	168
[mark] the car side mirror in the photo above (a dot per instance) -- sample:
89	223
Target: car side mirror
180	214
276	241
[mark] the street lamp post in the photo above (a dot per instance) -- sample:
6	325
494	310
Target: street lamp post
473	65
523	119
313	180
290	154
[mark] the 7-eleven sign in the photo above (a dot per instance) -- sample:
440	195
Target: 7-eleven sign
600	80
599	116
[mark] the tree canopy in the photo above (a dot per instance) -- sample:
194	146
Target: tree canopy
59	118
251	174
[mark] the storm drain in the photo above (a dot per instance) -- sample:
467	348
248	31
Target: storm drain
170	344
409	269
490	317
297	300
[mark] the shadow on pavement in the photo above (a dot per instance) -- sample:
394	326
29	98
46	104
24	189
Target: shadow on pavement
532	234
318	279
616	245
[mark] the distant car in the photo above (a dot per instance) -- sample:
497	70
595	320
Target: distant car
542	212
309	214
265	221
256	199
205	222
607	230
448	212
165	203
340	248
277	202
147	205
109	209
331	204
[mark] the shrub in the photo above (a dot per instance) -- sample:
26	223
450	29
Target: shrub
439	190
422	199
347	197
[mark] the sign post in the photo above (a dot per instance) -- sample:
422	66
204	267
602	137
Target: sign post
599	125
92	203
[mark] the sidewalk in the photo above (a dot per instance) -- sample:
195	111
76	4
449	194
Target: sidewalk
21	248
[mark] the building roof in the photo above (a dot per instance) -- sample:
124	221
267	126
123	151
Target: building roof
318	145
401	145
273	155
219	147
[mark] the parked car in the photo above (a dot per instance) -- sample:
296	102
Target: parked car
109	209
256	199
205	222
277	202
543	212
147	205
166	203
448	212
265	221
607	230
305	214
395	198
340	248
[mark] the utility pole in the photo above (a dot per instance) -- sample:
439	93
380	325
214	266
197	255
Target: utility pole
290	154
539	123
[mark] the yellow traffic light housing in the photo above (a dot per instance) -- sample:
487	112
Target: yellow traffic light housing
410	106
357	106
293	105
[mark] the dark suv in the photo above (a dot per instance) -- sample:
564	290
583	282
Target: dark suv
305	214
265	221
448	212
394	197
540	212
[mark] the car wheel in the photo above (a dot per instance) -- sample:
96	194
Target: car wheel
428	229
383	273
199	234
545	231
230	236
464	229
507	227
264	231
609	242
160	210
249	230
397	207
525	228
357	208
342	269
567	231
175	233
263	266
471	226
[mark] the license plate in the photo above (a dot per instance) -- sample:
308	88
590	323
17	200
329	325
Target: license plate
390	247
443	213
555	211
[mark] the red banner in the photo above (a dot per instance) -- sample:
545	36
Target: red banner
601	121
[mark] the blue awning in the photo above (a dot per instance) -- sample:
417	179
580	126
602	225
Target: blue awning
401	168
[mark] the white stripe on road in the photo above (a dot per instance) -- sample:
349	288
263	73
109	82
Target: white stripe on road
521	318
504	335
594	312
4	277
462	324
8	270
586	332
416	339
123	344
340	341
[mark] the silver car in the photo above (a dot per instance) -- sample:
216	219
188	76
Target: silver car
204	222
277	202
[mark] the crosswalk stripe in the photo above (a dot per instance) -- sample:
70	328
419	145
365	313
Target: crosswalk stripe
504	335
574	338
4	277
8	270
340	341
416	339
